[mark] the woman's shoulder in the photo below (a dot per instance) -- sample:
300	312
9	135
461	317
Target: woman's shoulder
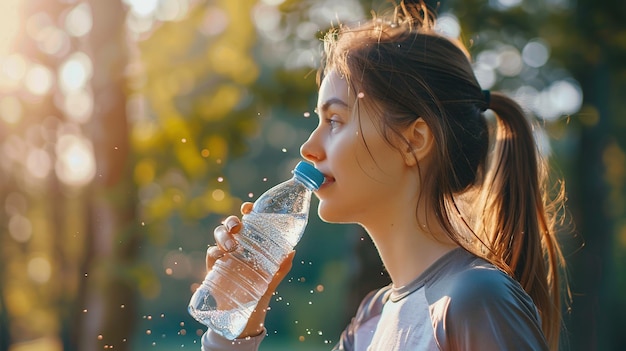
372	304
474	286
474	305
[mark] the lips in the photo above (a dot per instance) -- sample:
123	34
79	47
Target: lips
328	180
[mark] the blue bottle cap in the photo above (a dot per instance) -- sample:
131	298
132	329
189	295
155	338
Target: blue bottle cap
309	175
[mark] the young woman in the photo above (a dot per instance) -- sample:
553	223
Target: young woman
455	203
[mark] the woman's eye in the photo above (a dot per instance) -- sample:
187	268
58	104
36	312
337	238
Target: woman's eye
333	123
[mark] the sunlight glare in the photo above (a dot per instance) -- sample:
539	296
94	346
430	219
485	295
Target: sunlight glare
536	53
142	8
75	72
12	70
20	228
38	80
78	21
39	269
75	160
448	25
485	75
9	23
38	163
78	105
172	10
53	41
510	61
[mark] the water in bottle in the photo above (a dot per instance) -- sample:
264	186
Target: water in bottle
233	287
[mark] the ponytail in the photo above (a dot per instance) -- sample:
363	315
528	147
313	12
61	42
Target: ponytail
519	229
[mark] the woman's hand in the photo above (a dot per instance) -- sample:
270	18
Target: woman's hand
226	243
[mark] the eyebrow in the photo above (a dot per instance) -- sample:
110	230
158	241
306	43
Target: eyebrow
333	101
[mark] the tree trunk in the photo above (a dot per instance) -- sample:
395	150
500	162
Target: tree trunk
108	294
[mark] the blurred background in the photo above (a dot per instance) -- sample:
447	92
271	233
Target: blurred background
130	128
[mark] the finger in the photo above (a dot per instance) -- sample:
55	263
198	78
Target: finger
246	207
213	253
232	224
257	319
285	267
224	240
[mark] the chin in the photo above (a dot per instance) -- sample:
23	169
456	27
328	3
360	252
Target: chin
328	215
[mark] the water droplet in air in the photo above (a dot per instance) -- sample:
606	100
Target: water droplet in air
307	114
183	140
250	195
220	179
284	150
100	337
361	95
148	332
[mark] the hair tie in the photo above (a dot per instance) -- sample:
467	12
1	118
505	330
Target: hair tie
487	98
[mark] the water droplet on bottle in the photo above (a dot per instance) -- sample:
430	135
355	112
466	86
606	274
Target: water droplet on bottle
220	179
183	140
307	114
361	95
284	150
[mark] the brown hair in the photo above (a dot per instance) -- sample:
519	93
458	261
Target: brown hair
408	71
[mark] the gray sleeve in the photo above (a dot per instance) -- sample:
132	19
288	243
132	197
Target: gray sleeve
212	341
371	307
487	310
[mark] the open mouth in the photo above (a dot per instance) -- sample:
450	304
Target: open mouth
328	180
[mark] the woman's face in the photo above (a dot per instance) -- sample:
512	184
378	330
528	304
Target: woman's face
364	174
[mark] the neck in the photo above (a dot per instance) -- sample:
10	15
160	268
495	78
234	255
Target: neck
407	248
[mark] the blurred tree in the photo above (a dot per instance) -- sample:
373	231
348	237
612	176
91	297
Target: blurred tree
586	41
114	238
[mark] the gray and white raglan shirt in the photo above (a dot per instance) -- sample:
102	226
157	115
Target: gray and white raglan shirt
461	302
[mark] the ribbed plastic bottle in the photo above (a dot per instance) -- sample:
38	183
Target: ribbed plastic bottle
237	281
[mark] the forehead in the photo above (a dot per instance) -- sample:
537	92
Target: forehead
333	86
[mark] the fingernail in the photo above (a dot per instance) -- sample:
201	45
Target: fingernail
230	245
230	225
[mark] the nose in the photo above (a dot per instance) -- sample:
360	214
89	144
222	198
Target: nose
312	149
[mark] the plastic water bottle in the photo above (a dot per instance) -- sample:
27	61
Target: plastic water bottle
231	290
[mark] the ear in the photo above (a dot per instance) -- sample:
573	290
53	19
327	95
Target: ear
420	142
